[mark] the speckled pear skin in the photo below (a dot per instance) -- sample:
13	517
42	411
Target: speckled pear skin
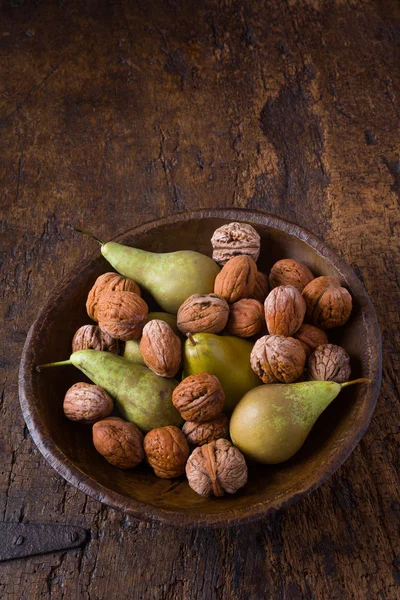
169	277
141	396
271	422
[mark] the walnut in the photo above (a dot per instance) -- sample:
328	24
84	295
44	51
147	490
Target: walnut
235	239
310	337
161	349
260	291
122	314
203	313
198	434
329	363
290	272
120	442
278	359
167	451
246	318
199	397
284	310
236	279
216	468
108	282
87	403
328	303
91	337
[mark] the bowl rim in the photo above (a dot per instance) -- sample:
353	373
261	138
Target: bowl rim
141	510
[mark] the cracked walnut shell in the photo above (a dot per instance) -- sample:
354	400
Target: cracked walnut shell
122	314
199	397
236	279
91	337
87	403
166	451
198	434
329	363
246	318
108	282
235	239
216	468
278	359
284	310
119	442
206	313
161	349
290	272
310	337
328	303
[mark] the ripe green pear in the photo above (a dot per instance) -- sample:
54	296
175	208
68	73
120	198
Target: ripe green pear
271	422
227	357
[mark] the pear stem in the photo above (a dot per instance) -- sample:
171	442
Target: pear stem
361	380
89	234
60	363
191	339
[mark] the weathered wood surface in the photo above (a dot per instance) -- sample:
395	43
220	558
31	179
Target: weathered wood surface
115	113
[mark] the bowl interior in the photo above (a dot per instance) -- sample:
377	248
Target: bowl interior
69	448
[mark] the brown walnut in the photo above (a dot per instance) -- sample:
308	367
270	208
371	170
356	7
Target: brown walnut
87	403
290	272
108	282
216	468
161	348
235	239
246	318
198	434
122	314
203	313
284	310
119	442
260	291
329	363
91	337
310	337
199	397
166	451
278	359
236	279
328	303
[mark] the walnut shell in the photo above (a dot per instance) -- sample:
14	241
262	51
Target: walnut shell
198	434
236	279
284	310
166	451
87	403
290	272
161	349
278	359
108	282
122	314
119	442
310	337
199	397
203	313
329	363
328	303
260	291
246	318
216	468
91	337
235	239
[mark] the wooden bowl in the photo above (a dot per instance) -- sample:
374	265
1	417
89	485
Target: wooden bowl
68	446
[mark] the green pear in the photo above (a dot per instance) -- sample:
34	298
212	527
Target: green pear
226	357
132	347
140	395
271	422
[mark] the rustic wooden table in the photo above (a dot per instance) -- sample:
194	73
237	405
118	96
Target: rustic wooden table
114	113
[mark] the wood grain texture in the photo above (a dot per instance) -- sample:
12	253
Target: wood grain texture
115	113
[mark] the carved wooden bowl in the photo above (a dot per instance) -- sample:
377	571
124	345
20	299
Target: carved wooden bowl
68	446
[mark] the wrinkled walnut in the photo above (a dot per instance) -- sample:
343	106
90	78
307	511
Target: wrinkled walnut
328	303
246	318
199	397
276	358
119	442
284	310
166	451
260	291
161	349
216	468
329	363
87	403
91	337
198	434
290	272
236	279
108	282
122	314
235	239
310	337
203	313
